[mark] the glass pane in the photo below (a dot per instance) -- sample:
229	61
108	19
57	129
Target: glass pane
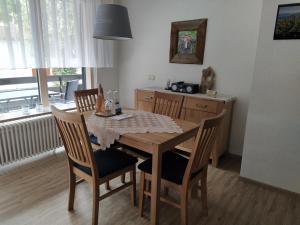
62	82
18	90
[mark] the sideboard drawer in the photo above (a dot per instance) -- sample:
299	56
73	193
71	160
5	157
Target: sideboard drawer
146	96
201	104
144	100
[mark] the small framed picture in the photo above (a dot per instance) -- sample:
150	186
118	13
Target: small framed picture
188	41
287	22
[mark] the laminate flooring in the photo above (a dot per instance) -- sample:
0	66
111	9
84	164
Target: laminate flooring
36	193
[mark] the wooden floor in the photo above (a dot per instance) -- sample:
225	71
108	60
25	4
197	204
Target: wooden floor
36	194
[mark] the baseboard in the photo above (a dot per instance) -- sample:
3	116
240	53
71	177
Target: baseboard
268	186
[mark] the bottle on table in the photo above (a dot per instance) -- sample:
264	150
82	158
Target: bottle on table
100	100
117	106
108	105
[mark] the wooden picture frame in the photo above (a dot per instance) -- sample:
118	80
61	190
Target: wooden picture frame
187	42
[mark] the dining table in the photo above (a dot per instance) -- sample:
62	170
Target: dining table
156	143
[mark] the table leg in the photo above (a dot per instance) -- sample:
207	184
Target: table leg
155	185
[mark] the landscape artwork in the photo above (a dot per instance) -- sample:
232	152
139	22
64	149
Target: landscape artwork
187	42
288	22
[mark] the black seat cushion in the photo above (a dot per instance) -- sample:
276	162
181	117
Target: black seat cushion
173	167
109	161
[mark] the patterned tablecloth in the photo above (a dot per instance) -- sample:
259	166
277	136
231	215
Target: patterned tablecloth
107	130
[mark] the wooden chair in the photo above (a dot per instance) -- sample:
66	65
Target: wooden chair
168	104
95	167
182	173
164	104
71	87
86	99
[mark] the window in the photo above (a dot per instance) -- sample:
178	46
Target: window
18	89
20	92
46	34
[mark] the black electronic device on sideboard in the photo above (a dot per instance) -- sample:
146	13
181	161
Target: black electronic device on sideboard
184	87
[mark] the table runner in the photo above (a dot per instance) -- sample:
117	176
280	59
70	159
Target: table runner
108	130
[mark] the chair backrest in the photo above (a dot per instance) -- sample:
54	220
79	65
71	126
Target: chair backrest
203	146
73	131
167	104
86	99
71	87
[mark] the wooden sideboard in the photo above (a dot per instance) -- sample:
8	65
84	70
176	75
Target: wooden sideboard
195	108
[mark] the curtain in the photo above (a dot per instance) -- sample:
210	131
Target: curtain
51	33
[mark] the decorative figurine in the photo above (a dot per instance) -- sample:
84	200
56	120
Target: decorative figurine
207	80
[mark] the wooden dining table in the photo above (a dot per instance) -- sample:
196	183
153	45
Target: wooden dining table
156	144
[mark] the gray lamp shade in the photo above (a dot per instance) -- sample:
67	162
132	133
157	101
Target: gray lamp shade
112	23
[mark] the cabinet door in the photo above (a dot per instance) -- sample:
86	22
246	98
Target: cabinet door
144	100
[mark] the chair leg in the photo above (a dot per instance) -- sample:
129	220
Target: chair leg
72	185
204	192
95	203
184	207
133	191
107	187
141	196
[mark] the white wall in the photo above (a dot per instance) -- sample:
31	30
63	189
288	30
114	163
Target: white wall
231	42
272	144
108	77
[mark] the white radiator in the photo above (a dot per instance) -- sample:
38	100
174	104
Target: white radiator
24	138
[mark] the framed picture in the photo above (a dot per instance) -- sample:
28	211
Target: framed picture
188	41
287	22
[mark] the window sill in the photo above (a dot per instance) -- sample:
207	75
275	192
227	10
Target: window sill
17	115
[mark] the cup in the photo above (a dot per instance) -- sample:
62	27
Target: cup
39	108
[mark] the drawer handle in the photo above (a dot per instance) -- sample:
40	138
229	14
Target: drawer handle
202	106
147	97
